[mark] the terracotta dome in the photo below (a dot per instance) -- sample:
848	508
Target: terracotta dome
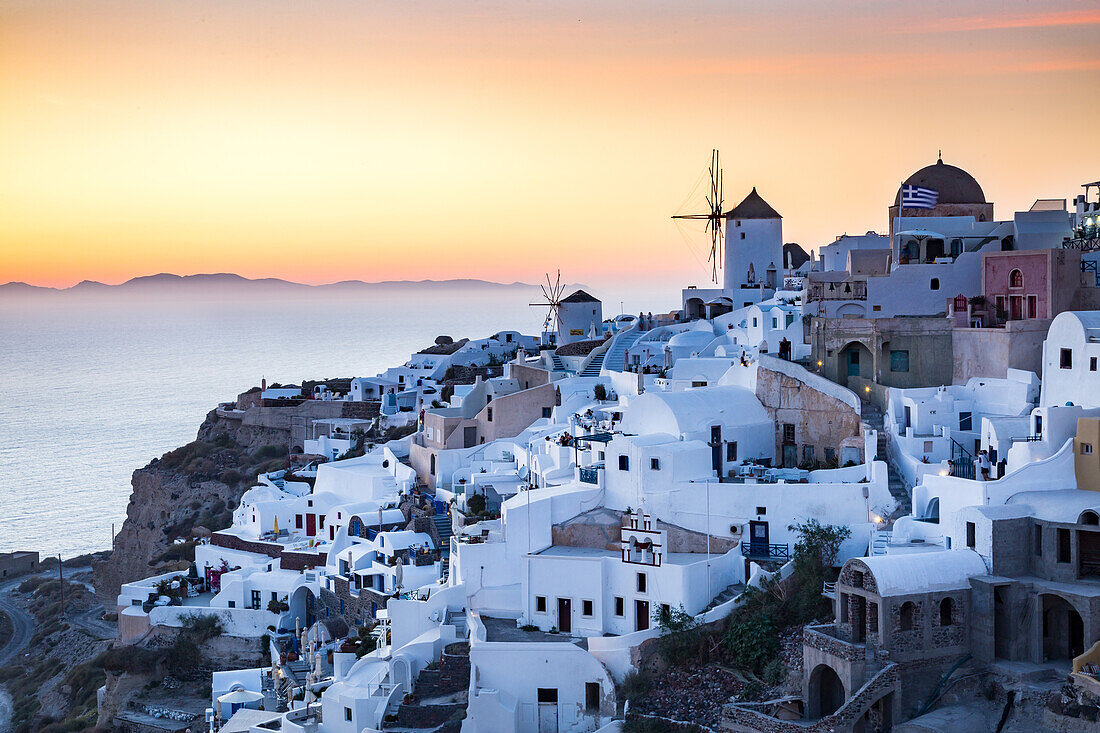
954	185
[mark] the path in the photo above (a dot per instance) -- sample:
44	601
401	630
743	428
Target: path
22	623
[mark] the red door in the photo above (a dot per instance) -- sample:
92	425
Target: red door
311	525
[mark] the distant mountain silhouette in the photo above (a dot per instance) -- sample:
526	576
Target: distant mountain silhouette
229	282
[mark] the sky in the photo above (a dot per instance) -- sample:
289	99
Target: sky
327	140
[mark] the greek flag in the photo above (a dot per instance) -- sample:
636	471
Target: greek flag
916	197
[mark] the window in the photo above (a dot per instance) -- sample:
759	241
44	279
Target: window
857	579
298	521
971	541
843	608
1086	449
540	604
1037	540
742	235
547	411
1032	306
908	611
641	583
699	383
1063	545
872	617
947	608
347	714
618	606
255	599
1016	279
586	608
548	695
1065	359
489	414
876	308
899	360
966	421
761	510
934	284
775	323
928	446
788	433
232	604
807	454
655	464
592	697
624	463
731	450
1092	363
754	321
274	596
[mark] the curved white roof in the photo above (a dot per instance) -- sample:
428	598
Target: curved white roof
693	410
903	574
1058	506
691	338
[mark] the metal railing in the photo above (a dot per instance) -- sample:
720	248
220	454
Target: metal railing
765	551
590	474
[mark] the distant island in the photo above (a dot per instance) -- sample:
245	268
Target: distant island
170	283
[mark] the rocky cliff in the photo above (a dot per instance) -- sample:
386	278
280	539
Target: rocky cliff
184	492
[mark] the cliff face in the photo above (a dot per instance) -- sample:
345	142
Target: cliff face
197	485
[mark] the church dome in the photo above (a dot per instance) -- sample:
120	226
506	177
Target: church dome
954	185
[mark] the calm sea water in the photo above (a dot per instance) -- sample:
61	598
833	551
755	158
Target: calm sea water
91	391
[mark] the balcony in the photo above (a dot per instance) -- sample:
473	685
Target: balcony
846	290
590	474
765	552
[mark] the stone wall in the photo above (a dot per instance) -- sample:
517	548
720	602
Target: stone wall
991	352
820	420
355	610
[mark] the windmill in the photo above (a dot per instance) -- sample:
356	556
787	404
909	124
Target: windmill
713	216
551	293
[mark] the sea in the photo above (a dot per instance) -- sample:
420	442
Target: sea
93	388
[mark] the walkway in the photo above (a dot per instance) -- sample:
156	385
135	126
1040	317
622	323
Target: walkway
22	623
872	417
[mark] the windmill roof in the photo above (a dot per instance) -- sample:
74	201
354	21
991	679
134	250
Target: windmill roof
753	207
580	297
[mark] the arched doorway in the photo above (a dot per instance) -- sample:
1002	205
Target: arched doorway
855	361
401	673
826	692
1063	630
693	309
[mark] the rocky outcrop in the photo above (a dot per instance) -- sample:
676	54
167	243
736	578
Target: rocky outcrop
196	485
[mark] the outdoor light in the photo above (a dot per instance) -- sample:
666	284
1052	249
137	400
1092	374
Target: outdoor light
867	389
876	519
943	471
821	363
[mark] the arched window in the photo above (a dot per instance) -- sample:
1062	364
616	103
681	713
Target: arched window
947	609
908	611
1016	279
1090	517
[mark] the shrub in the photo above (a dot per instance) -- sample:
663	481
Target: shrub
476	503
634	686
202	626
680	640
277	606
774	672
751	639
600	392
752	690
183	655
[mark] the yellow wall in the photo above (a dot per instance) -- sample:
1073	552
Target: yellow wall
1087	465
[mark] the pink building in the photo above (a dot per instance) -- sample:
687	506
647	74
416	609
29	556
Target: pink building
1021	285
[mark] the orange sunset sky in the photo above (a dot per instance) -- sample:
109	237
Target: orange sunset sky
320	141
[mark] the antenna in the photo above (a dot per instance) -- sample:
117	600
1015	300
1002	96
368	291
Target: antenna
551	293
714	217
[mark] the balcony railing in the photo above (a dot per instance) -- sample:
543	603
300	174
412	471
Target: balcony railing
765	551
848	290
590	474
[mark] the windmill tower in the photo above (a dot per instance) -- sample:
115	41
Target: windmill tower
551	294
571	318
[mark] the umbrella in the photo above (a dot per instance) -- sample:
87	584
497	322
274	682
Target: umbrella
240	697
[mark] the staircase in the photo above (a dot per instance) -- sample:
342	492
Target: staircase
443	528
872	417
614	359
559	365
880	541
592	369
733	590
